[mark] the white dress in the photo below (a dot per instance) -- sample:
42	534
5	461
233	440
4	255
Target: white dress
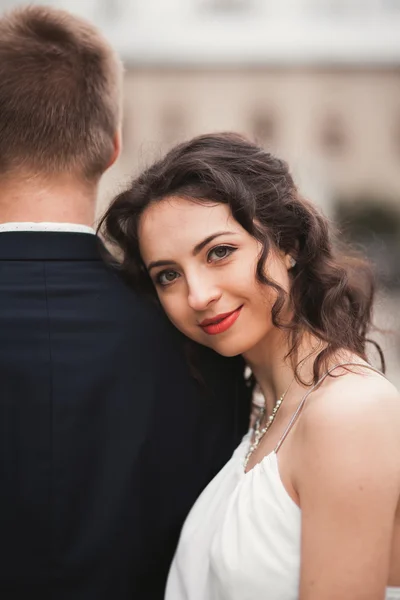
241	540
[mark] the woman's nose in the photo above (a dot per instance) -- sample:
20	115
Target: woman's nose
201	294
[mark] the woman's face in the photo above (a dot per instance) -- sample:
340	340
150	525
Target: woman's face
203	265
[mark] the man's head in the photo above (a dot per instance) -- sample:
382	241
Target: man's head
60	95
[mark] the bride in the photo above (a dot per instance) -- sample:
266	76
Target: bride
308	506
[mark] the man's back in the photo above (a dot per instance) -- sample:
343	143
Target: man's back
106	440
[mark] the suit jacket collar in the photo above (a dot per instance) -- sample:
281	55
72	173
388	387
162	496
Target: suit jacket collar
46	226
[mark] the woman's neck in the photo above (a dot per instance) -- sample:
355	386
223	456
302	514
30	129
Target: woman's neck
273	369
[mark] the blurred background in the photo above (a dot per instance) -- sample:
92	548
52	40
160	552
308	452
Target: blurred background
315	81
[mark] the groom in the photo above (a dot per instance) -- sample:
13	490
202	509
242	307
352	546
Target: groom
106	440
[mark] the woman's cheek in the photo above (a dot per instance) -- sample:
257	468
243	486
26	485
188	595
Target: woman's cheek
166	304
174	310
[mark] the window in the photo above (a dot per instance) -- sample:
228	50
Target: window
337	8
227	6
172	125
111	10
333	135
396	135
390	6
127	128
263	127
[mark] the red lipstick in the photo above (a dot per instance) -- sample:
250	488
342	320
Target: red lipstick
221	322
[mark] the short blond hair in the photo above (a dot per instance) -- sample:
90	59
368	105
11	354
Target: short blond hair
60	94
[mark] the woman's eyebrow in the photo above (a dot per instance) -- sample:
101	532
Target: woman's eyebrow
198	248
159	263
209	239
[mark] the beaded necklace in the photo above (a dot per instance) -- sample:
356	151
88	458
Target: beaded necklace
259	433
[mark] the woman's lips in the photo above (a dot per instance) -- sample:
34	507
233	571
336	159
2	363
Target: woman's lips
223	324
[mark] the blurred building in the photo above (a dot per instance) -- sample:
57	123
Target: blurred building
315	81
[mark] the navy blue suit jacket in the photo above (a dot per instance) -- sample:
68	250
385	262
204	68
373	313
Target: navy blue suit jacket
105	438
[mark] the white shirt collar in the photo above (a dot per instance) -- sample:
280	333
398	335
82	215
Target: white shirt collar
56	227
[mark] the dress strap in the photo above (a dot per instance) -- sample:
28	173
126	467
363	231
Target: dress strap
314	387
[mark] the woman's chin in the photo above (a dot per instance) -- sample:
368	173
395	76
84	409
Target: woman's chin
227	353
224	349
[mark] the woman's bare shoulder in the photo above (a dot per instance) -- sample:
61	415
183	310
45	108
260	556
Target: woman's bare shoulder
347	473
357	397
352	388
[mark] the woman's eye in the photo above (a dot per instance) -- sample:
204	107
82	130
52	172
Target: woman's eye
166	277
219	253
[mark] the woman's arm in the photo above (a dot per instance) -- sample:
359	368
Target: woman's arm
348	481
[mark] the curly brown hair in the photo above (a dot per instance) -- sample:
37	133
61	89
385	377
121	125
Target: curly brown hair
332	291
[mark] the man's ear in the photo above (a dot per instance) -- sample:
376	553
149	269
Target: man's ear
117	146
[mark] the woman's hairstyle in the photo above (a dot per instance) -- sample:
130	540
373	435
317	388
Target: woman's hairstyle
331	293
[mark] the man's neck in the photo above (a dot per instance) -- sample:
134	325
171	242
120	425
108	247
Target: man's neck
36	200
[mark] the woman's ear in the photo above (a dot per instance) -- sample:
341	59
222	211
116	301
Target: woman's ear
290	261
